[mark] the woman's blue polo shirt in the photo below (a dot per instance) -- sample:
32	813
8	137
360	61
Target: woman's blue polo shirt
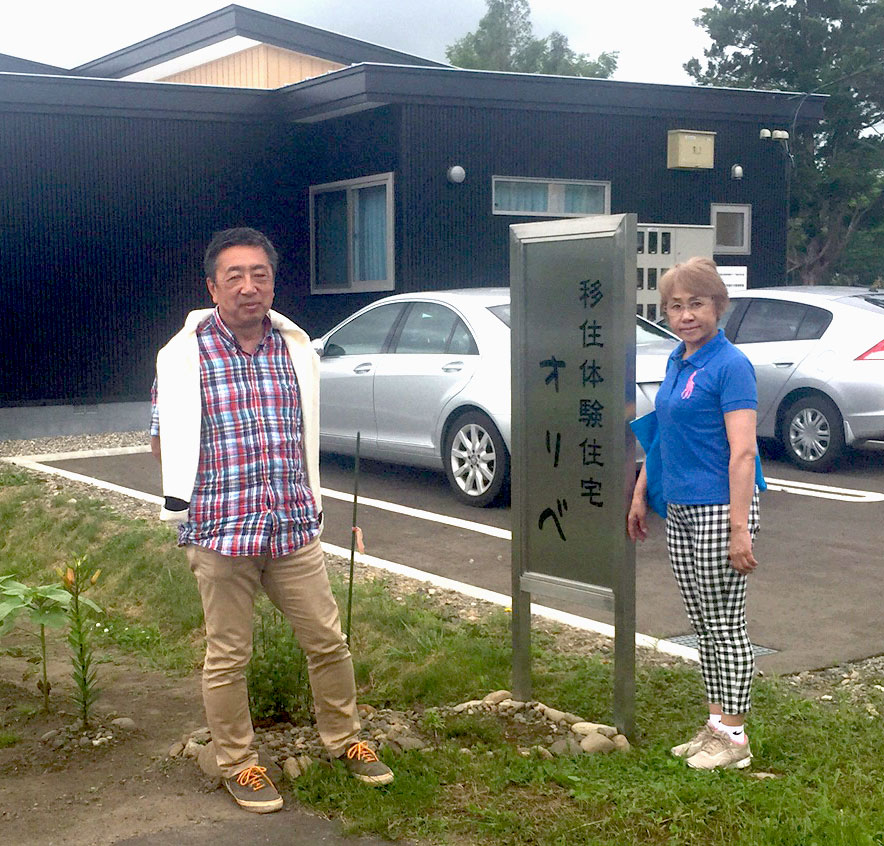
691	403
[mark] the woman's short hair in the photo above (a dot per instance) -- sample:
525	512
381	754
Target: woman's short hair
699	277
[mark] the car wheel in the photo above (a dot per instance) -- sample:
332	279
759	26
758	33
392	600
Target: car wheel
813	433
476	459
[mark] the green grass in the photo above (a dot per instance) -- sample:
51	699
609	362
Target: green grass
408	654
8	738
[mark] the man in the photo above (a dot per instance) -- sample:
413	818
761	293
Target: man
236	404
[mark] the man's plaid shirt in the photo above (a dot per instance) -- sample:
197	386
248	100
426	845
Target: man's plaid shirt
251	495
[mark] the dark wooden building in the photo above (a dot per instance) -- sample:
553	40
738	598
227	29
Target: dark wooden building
371	170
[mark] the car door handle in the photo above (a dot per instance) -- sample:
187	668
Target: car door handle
783	363
365	367
452	367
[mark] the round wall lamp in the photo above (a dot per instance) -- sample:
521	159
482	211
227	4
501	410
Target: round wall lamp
737	172
456	174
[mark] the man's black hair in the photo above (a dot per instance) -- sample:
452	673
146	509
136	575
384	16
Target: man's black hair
240	236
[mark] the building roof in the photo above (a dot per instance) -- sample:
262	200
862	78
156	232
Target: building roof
12	64
373	76
238	22
367	86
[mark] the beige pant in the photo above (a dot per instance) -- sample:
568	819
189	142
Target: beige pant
297	584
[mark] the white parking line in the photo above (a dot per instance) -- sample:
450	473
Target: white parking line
418	513
658	644
823	491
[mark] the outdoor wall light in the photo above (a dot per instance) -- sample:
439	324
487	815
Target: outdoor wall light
775	134
456	174
737	172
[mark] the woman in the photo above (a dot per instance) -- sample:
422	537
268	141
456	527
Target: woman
706	422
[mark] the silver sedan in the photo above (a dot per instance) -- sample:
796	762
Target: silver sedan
819	360
424	378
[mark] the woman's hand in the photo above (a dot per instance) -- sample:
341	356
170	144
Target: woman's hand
636	527
740	551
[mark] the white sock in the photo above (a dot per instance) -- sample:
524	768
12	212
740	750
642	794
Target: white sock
715	721
735	733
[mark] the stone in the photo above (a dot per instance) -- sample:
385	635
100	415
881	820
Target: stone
192	748
572	719
621	744
365	711
584	728
607	731
764	775
542	752
497	696
176	749
124	723
305	762
201	735
465	706
84	741
554	715
565	747
291	768
596	742
49	735
408	742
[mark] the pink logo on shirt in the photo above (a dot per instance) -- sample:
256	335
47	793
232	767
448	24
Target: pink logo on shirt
689	388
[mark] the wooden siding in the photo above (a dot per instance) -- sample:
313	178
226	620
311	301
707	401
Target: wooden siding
262	66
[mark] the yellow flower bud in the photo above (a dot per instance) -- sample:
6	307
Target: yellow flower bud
95	576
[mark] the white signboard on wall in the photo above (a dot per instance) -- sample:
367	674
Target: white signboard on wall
734	277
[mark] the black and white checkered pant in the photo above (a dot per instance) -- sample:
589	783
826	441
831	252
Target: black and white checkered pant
714	597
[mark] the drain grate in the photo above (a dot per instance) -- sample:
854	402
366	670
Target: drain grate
692	641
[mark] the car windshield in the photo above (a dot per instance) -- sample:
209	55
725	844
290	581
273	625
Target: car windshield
875	299
645	331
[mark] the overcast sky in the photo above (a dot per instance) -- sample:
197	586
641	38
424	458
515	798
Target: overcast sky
654	37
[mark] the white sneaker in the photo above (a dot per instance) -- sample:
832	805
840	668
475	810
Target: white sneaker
720	752
692	747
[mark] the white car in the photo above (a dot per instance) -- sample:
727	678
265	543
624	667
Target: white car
818	355
425	379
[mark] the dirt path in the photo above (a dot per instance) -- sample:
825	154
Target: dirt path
128	790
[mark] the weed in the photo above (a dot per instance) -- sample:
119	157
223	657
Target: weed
7	739
277	674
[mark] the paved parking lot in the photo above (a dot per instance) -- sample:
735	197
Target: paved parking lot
814	601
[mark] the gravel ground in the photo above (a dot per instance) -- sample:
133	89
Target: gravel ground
859	681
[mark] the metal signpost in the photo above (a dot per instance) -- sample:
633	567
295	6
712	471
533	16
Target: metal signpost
573	368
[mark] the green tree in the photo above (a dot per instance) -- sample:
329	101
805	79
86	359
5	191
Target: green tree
504	41
833	47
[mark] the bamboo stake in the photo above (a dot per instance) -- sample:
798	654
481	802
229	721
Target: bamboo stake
353	538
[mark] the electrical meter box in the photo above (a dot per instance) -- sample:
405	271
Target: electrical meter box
659	247
690	150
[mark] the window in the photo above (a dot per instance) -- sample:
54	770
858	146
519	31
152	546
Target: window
366	334
433	328
779	320
547	198
733	229
351	236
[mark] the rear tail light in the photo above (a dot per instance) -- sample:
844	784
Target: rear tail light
876	353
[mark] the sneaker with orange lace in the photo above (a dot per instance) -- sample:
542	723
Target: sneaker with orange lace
253	790
363	763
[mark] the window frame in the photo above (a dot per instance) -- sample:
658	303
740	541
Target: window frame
352	187
724	249
551	183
